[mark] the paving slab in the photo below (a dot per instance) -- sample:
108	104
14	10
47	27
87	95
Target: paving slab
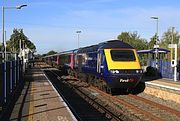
39	101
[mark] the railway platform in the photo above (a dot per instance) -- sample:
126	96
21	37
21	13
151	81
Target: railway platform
163	88
166	83
39	101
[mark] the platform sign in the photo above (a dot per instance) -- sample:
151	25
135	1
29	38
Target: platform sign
156	46
174	61
172	45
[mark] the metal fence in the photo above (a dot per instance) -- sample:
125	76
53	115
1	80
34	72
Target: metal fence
165	68
10	78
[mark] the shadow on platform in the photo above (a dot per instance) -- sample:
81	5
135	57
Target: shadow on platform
19	104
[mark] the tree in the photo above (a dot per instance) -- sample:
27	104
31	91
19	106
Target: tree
37	55
19	37
51	52
167	38
152	42
134	40
125	37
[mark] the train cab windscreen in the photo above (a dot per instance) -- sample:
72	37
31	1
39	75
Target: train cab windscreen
122	55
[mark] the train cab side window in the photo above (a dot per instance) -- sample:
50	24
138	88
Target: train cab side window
102	58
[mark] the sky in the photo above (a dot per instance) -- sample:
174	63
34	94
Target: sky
52	24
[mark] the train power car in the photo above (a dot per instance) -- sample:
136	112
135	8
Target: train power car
109	65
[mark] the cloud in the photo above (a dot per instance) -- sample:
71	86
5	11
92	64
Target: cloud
128	17
54	25
102	25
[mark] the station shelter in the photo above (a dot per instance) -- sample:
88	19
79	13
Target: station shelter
147	58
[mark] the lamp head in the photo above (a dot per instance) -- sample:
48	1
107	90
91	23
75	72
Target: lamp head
153	17
20	6
78	31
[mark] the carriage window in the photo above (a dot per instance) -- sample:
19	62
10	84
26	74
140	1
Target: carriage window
122	55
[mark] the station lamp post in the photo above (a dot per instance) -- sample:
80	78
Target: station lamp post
78	33
156	46
3	36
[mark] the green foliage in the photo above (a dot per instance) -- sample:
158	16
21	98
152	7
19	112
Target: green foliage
37	55
51	52
152	42
125	37
167	38
14	42
134	40
43	55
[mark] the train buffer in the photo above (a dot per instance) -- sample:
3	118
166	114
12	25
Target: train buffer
38	100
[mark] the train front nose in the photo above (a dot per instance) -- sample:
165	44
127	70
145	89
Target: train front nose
123	68
124	78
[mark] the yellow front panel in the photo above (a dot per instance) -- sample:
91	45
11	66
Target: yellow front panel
121	64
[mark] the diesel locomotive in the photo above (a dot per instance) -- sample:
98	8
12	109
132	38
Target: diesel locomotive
108	65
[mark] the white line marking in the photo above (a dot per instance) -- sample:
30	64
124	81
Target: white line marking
46	83
73	117
164	86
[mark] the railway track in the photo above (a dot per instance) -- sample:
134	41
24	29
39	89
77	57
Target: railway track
157	105
82	106
146	109
139	107
123	107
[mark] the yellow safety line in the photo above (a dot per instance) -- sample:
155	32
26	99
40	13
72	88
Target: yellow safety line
30	118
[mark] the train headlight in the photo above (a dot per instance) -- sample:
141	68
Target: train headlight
114	71
139	71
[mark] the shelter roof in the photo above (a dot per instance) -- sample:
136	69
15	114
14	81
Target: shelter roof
160	50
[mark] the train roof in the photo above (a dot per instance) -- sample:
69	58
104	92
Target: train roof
105	45
67	52
61	53
114	44
93	48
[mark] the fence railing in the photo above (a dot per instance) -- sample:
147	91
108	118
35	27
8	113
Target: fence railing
11	73
165	68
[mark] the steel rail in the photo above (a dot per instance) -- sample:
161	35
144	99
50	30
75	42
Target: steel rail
154	104
147	114
113	116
